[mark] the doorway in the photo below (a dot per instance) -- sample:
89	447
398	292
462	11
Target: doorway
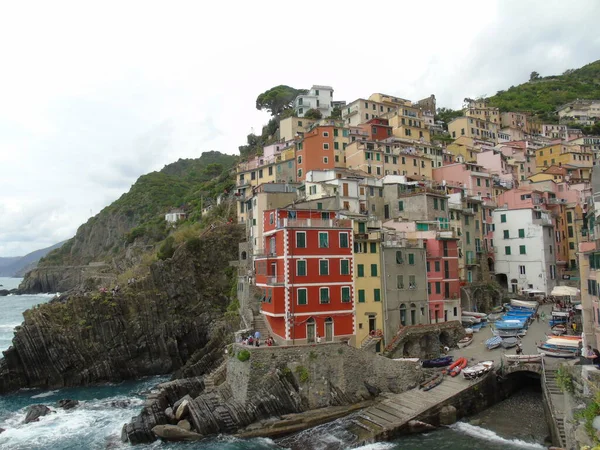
329	329
372	323
311	330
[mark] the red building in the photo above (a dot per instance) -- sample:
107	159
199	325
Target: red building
306	272
443	281
378	129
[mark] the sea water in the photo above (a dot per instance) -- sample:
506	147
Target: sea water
96	423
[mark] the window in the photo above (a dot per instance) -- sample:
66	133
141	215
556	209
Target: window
336	145
570	231
503	218
345	294
301	268
362	227
438	287
300	239
325	146
373	247
506	234
302	300
412	282
487	182
522	250
377	295
373	270
435	203
401	205
443	204
400	281
325	134
411	259
399	259
522	270
344	267
344	243
361	296
325	160
569	217
571	245
478	181
324	295
361	270
507	250
466	220
335	132
437	266
323	239
468	235
323	267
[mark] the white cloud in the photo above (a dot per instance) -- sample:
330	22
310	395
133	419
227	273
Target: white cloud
94	95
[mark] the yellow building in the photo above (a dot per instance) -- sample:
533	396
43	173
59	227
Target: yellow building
473	128
479	109
293	127
563	154
368	288
408	123
574	214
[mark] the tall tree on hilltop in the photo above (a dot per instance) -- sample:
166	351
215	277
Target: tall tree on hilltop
278	99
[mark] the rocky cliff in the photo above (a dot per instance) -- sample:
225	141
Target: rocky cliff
154	326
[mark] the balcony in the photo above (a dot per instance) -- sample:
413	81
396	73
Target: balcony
471	261
314	223
276	280
264	253
372	236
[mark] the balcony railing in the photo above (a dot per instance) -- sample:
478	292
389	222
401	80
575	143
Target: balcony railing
276	280
314	223
264	253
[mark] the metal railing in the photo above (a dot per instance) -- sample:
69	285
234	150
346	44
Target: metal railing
314	223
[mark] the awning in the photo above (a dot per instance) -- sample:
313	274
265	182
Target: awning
562	291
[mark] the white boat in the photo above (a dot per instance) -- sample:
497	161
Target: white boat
563	342
525	358
474	314
555	353
478	370
523	303
509	333
465	341
466	320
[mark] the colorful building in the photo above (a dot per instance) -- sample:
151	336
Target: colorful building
306	274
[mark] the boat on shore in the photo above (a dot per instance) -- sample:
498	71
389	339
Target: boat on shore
559	329
556	352
474	314
478	370
437	362
455	368
495	316
509	342
497	309
509	333
525	358
434	382
523	304
465	341
476	327
493	342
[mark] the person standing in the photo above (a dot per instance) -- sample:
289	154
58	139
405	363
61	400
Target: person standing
257	335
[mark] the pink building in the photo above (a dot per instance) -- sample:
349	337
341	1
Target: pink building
472	177
495	162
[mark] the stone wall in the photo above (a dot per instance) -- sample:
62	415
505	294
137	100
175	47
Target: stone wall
323	371
425	341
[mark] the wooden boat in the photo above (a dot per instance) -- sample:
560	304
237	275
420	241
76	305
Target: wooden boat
566	338
433	383
493	342
465	341
559	329
437	362
478	370
525	358
523	304
555	353
430	380
509	342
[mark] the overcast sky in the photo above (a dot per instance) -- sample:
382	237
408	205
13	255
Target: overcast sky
95	94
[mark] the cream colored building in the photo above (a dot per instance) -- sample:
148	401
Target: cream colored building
473	128
479	109
293	127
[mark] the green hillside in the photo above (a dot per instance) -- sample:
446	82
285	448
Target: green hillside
542	95
138	215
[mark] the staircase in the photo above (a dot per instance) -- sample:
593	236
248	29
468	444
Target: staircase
369	342
258	324
555	394
216	377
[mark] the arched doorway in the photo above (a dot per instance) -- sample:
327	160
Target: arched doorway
491	265
403	314
311	330
329	329
413	314
502	280
244	255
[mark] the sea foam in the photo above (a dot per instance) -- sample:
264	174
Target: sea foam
488	435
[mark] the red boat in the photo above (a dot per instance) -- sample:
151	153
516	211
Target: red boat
456	367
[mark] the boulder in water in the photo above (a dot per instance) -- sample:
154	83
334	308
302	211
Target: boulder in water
67	403
34	412
170	415
175	433
120	403
184	424
447	415
2	430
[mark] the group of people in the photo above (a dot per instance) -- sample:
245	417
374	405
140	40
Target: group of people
255	340
593	355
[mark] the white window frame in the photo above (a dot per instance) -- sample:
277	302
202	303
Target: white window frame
328	296
298	261
325	233
325	160
521	270
325	133
271	218
349	294
347	239
328	272
299	233
349	267
325	146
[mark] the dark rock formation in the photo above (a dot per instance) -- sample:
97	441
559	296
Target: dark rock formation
175	433
67	403
5	292
155	327
34	412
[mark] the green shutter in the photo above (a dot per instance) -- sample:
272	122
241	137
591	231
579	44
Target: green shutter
302	268
507	250
522	250
401	205
521	232
302	297
323	240
377	295
343	240
361	227
300	240
361	296
411	258
373	270
373	246
324	295
503	218
506	234
344	267
361	270
323	267
345	294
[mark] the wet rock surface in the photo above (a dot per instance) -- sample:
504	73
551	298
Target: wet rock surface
34	412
